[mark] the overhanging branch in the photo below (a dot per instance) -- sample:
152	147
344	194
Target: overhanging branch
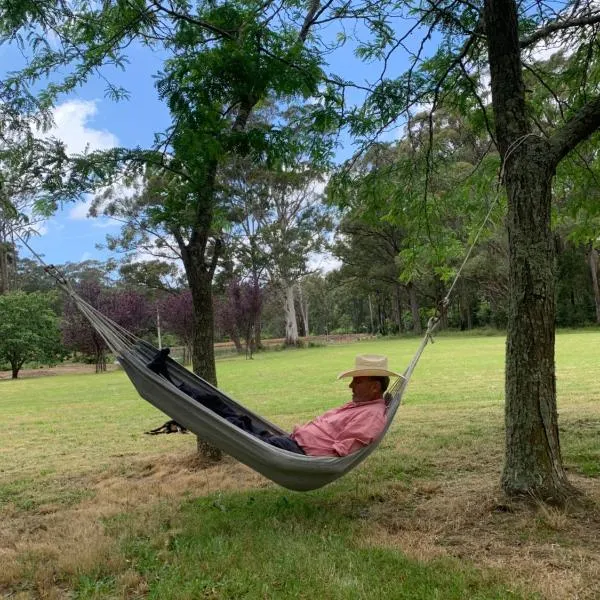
576	130
558	25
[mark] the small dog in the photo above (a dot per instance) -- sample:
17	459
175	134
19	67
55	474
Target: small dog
168	427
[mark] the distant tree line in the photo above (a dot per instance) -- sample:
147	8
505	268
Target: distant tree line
365	295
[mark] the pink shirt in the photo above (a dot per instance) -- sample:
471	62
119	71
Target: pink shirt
342	430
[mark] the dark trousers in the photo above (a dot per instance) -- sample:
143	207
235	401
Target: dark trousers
214	403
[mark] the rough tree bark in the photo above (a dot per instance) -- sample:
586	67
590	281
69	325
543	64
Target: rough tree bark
533	465
200	270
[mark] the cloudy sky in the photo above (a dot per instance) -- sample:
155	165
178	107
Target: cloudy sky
88	119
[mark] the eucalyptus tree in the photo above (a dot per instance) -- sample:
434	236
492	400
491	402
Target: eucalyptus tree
390	236
281	221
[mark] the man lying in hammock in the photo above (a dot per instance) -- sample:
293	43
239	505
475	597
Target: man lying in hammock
338	432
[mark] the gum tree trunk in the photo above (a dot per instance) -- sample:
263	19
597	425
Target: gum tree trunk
291	325
303	305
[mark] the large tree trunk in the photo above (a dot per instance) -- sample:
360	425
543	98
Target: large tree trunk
593	263
533	465
533	460
291	325
203	356
203	352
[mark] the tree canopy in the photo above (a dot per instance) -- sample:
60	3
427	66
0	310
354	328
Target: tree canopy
28	330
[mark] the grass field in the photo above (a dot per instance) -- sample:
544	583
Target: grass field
90	507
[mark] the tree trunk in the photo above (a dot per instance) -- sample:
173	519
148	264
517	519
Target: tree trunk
593	263
533	460
303	304
414	308
291	325
15	371
207	451
100	360
203	352
203	356
4	279
237	342
533	465
398	307
257	333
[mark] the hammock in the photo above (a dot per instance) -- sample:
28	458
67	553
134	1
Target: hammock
293	471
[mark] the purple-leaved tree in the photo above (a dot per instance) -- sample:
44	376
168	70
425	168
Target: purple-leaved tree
177	316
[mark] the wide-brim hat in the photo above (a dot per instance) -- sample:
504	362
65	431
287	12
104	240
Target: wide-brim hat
370	365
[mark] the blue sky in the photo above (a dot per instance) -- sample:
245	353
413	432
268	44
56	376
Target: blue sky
88	118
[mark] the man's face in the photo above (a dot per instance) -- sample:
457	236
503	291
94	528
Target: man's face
364	389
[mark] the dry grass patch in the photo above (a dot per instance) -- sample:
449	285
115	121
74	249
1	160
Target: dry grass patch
555	552
54	544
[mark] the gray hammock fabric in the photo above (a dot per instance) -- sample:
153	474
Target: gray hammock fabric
290	470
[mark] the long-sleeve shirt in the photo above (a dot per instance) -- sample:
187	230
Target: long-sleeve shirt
341	431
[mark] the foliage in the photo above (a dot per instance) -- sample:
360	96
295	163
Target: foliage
128	308
238	313
28	330
177	315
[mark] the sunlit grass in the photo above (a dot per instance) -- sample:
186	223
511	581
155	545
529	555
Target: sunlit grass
92	506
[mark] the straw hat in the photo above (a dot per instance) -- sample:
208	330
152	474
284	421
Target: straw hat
370	365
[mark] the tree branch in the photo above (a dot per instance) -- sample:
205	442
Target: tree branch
576	130
558	25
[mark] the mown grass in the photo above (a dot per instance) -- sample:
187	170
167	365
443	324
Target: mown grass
93	508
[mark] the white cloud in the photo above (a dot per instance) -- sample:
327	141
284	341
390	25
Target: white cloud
80	211
71	126
324	262
105	223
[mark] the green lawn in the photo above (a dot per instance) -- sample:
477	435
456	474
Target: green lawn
93	508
